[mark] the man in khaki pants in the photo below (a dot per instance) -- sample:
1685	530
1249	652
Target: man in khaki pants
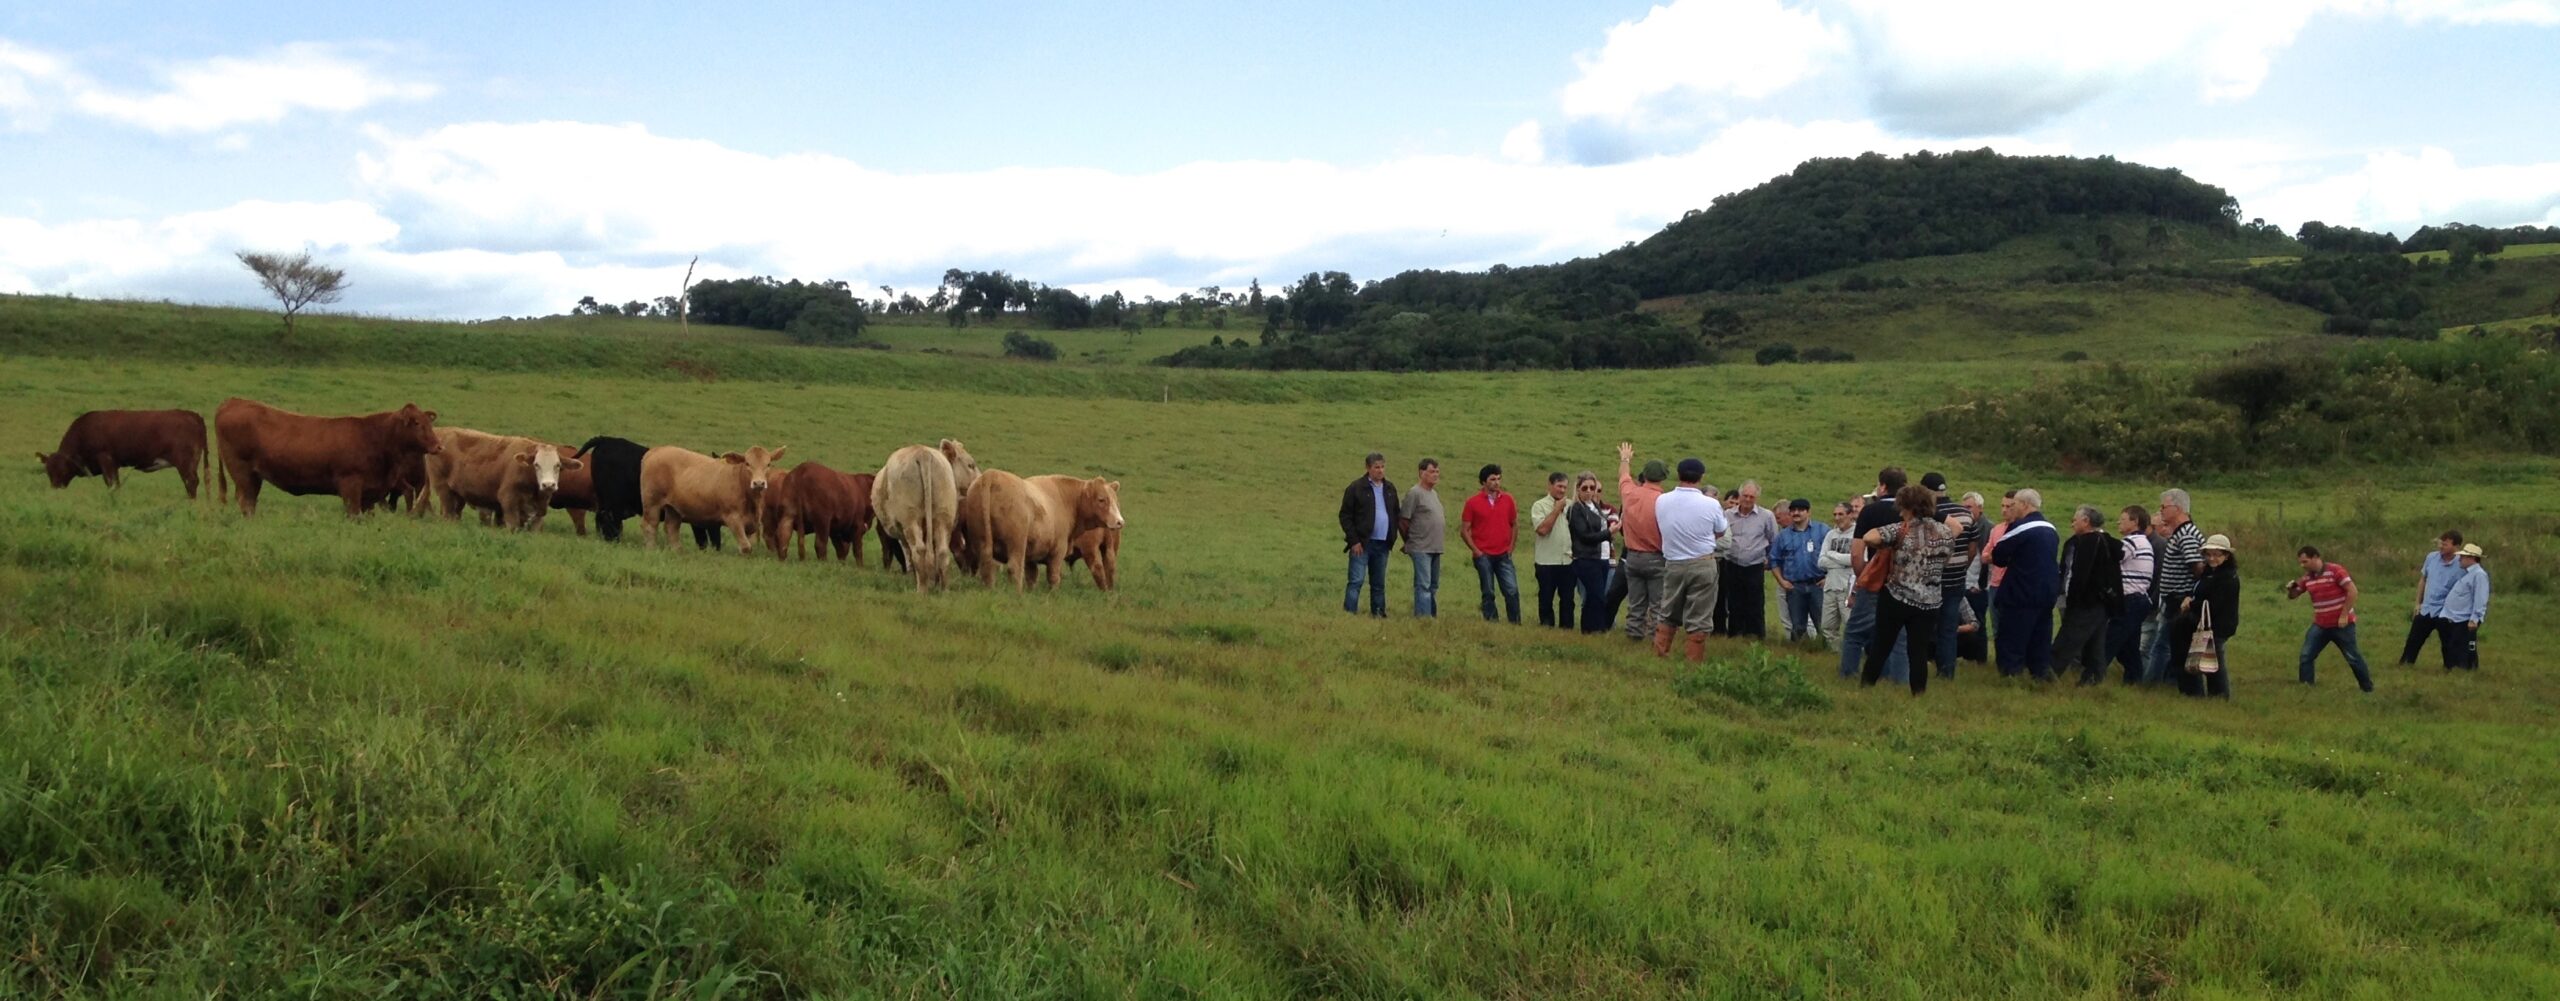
1690	522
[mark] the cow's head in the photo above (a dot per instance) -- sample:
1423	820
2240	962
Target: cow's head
418	427
547	465
964	469
59	467
1100	504
758	465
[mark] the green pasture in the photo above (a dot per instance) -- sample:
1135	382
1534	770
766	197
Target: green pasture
2138	320
410	758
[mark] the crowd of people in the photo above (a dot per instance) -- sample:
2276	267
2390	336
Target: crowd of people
1903	583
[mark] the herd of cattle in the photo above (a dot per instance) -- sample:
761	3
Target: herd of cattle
931	506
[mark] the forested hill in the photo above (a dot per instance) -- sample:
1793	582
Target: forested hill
1829	214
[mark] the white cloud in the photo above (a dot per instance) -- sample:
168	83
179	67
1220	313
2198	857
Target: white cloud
205	96
1690	50
1525	143
2401	190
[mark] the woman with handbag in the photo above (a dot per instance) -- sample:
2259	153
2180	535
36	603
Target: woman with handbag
2207	620
1908	607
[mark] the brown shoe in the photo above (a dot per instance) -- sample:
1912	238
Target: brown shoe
1697	648
1662	640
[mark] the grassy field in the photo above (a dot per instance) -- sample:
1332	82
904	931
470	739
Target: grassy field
1091	347
2138	320
415	759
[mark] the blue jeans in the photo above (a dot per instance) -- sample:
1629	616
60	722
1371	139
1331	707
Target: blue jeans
1492	570
2124	636
1426	585
1801	607
1368	566
2024	642
1950	616
2156	669
1591	577
2345	637
1860	630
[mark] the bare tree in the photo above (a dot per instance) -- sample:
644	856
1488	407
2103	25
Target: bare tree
684	297
296	281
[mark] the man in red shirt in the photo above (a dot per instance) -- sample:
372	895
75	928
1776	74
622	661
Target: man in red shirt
2333	614
1490	521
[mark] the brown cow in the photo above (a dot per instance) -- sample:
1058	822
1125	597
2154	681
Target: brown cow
916	499
1099	548
357	458
813	500
510	477
682	485
577	493
1037	521
104	443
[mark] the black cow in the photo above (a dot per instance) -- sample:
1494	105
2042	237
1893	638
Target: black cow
616	464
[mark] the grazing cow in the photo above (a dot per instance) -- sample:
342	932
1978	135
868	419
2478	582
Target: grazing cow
813	500
679	484
1099	548
104	443
1035	522
359	459
613	468
511	477
916	497
890	550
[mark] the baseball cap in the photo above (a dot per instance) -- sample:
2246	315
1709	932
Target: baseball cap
1934	481
1654	471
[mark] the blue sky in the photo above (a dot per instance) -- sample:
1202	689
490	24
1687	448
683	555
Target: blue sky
486	159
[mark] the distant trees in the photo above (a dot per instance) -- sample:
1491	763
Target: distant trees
296	281
1021	345
2322	238
808	312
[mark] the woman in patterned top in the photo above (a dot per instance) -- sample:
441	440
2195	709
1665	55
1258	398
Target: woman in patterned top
1910	600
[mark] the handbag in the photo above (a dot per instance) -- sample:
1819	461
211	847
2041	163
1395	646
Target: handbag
2203	654
1878	571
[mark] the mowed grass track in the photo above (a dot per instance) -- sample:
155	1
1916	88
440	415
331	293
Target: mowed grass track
410	758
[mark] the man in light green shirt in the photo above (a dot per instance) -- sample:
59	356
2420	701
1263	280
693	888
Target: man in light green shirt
1554	554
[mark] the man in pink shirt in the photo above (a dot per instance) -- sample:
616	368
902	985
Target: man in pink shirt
1489	523
1643	565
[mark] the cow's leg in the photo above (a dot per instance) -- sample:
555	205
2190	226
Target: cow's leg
107	471
649	527
859	530
351	491
579	518
187	471
249	484
609	526
1057	568
738	526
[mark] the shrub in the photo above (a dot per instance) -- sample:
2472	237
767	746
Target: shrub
1825	354
1758	679
1021	345
1774	354
2075	355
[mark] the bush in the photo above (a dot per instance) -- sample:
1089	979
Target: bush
1824	354
1758	680
1775	354
2075	355
1021	345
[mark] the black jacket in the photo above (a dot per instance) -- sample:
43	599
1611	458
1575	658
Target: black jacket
1358	508
2219	589
1590	530
2093	573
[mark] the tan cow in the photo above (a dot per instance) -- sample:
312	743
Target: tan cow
510	477
1039	521
682	486
1099	548
916	500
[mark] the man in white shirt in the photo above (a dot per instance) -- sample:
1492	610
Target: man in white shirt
1690	521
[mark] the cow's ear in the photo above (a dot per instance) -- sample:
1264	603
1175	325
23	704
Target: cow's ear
734	459
41	457
524	458
776	453
567	465
427	415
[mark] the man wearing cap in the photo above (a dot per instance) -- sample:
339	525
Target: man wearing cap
1753	529
1643	564
2466	605
1796	559
2436	575
1690	521
1488	522
1879	512
1425	525
2022	626
2333	614
1368	535
1959	561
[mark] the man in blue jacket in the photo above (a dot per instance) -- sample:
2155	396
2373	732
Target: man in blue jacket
2022	628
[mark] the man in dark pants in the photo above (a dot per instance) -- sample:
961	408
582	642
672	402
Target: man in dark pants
1752	530
2022	624
1959	561
2092	595
1368	535
2436	576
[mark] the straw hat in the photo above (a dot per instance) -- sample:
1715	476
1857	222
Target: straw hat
2471	550
2221	542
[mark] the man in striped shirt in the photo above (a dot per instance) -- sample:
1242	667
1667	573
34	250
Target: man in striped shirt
2124	632
2333	614
2181	561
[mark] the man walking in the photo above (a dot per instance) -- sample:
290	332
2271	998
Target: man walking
1642	566
2092	591
2333	614
1488	522
1690	521
1425	526
2436	575
1551	551
2466	605
1879	512
1368	535
2181	561
1959	560
1796	558
1753	530
2022	613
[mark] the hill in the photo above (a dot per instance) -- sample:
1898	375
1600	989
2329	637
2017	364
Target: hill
394	757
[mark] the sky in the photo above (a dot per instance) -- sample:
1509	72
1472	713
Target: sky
473	160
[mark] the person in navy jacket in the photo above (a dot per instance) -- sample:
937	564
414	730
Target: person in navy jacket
2022	629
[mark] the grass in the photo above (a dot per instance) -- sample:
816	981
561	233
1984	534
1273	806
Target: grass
1092	347
2136	320
417	759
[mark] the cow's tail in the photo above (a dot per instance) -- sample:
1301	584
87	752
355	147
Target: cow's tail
582	451
221	471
